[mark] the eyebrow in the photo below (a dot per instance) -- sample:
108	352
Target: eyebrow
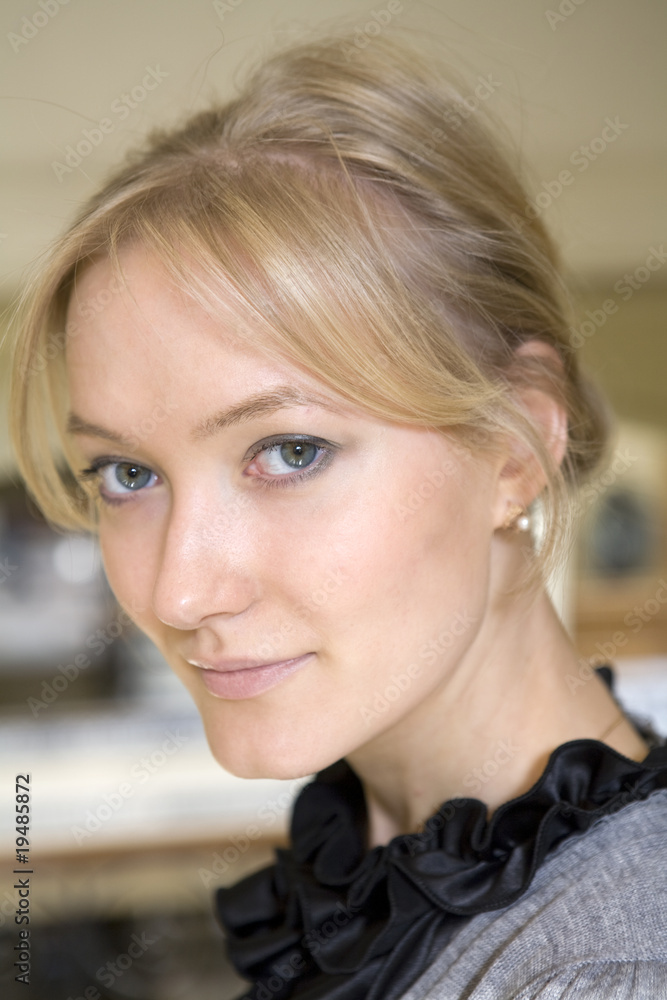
259	404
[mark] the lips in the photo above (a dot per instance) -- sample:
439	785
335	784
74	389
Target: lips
228	666
237	679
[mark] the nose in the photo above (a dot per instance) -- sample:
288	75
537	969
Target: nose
203	568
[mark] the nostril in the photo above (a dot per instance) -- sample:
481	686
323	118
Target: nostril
186	602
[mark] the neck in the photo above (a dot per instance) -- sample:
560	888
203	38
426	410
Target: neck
487	731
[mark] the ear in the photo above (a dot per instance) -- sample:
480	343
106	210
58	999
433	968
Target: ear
521	477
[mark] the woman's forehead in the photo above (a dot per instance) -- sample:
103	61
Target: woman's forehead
141	293
139	327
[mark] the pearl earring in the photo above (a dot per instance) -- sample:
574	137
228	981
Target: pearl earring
517	518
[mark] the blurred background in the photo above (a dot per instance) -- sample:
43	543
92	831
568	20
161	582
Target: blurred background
133	823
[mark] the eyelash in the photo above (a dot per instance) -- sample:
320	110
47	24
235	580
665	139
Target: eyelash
325	448
319	464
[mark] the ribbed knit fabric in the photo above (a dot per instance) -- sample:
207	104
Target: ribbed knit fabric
592	925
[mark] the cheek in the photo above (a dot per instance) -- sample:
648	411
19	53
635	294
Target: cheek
382	593
408	576
129	566
401	553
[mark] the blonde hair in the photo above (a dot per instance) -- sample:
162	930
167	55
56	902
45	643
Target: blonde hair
370	226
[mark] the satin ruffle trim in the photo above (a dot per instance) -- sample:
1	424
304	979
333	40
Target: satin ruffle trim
330	916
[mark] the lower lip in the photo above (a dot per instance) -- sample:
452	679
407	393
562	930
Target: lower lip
237	684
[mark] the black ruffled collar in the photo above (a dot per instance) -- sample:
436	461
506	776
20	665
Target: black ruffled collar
332	919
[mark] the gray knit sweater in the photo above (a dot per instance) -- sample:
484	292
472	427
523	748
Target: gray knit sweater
592	925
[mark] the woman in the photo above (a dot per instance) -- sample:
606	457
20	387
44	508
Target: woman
357	345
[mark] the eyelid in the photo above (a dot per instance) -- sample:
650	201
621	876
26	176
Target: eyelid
277	439
327	448
96	468
103	461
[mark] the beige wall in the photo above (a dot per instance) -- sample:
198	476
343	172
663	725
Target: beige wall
6	464
628	350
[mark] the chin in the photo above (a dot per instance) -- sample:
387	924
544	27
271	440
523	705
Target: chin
262	758
285	736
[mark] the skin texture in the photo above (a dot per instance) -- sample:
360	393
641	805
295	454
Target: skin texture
422	667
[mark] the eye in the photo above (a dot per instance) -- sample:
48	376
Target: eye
117	479
295	454
121	476
277	458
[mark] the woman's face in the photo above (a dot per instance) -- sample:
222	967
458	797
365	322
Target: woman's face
250	518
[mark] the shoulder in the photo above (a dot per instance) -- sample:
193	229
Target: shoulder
587	981
592	925
615	878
